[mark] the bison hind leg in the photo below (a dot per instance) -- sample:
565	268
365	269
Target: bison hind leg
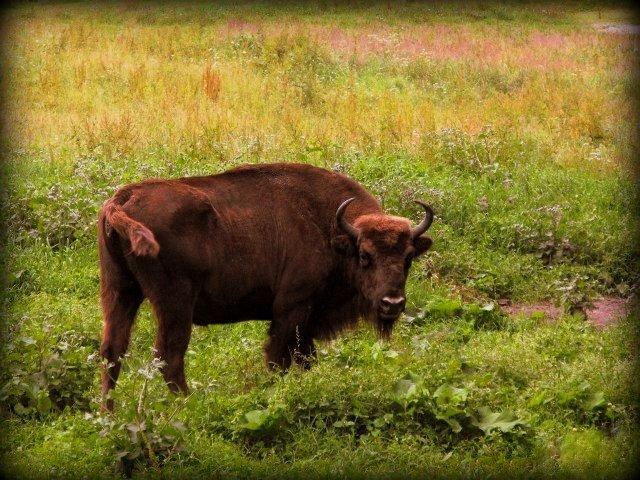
119	306
173	302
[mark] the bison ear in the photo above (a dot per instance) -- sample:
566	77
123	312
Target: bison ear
343	244
422	244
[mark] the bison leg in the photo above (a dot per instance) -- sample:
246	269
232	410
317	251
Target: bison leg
289	338
305	350
276	351
175	318
119	308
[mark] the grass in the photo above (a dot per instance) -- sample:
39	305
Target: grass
513	121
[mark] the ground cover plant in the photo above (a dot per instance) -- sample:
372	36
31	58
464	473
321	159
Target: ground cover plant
513	121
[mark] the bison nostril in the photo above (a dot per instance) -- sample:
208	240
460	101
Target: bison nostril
392	304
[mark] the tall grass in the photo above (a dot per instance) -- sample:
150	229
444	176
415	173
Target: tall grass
513	121
367	86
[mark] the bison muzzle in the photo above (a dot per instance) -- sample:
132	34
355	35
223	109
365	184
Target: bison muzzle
308	249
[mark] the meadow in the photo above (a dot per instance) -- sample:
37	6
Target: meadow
515	122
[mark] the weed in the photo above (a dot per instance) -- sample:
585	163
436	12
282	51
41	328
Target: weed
61	212
472	316
46	374
576	295
144	434
211	81
483	153
448	405
259	426
586	404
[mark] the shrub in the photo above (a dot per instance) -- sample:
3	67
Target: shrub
144	433
47	374
576	294
61	212
448	410
472	315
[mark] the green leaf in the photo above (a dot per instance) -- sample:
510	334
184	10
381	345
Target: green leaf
20	410
452	422
380	422
448	412
43	404
445	308
406	387
255	419
448	395
539	399
376	350
594	401
488	421
343	424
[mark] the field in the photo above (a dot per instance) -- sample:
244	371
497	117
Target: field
513	121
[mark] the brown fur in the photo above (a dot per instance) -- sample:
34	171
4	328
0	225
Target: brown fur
256	242
142	240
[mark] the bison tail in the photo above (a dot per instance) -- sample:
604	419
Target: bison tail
143	242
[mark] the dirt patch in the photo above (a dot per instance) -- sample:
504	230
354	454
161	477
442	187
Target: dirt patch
238	25
605	311
608	310
551	312
485	48
618	28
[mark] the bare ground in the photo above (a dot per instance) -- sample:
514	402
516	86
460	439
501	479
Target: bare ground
618	28
605	311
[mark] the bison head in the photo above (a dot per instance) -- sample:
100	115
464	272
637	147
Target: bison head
380	249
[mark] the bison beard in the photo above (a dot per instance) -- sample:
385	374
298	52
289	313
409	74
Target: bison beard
307	249
368	312
384	327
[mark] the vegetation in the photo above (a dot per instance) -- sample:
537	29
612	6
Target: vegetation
512	121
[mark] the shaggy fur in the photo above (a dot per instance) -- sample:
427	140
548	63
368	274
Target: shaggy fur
256	242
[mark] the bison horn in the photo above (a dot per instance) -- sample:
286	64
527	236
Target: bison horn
426	222
342	223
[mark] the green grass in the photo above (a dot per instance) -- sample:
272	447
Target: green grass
512	121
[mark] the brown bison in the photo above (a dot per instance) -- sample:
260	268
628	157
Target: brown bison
274	242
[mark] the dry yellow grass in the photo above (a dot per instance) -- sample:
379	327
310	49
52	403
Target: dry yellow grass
76	80
211	81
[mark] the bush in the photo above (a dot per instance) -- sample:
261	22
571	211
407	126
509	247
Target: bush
61	212
145	434
471	315
47	374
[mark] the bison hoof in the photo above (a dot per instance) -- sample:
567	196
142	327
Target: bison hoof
107	406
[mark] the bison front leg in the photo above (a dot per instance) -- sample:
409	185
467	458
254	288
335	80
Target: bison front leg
289	338
304	351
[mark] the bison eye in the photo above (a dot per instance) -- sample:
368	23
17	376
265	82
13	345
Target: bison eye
365	259
407	262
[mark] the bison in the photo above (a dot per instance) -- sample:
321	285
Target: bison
308	249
